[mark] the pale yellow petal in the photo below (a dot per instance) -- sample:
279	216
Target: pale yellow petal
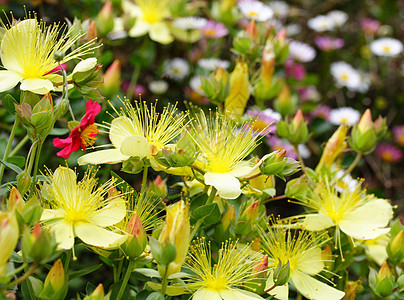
8	80
310	261
160	33
279	292
204	294
180	171
317	222
132	9
121	128
64	183
85	65
111	214
367	221
241	169
237	294
37	85
110	156
97	236
377	252
52	214
226	184
314	289
136	146
140	28
63	234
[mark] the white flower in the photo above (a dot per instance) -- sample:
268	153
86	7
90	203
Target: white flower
345	182
345	75
304	151
196	84
386	47
190	23
321	23
301	51
255	10
212	64
280	8
346	115
272	114
293	29
158	87
176	68
339	17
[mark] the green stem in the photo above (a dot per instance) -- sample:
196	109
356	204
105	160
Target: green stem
31	157
30	271
133	81
18	270
67	261
144	181
353	165
301	161
200	221
274	198
19	146
8	147
37	157
165	282
125	279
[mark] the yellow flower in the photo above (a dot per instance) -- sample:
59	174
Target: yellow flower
302	251
222	280
27	54
223	148
150	18
138	131
351	211
80	209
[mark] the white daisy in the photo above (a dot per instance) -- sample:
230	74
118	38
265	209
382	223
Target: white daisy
301	51
293	29
255	10
189	23
212	64
386	47
280	8
339	17
272	114
321	23
176	68
345	182
345	75
344	115
158	87
196	84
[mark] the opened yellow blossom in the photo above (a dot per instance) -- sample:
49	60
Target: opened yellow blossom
138	131
224	279
223	148
151	18
82	209
302	251
27	54
349	209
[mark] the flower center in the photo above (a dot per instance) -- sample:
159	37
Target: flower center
344	76
216	284
386	49
259	125
87	136
253	14
210	32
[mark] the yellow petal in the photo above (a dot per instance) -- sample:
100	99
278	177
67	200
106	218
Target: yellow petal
317	222
237	294
111	214
37	85
314	289
65	181
241	169
136	146
160	33
8	80
140	28
63	234
226	184
110	156
121	128
97	236
310	262
367	221
204	294
279	292
52	214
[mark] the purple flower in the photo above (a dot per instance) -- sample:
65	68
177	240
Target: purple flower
264	121
214	30
327	43
295	70
370	26
389	153
398	132
278	144
321	111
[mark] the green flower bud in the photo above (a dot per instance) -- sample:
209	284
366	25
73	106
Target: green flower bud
275	163
396	248
39	245
55	286
281	273
32	211
242	43
23	182
136	243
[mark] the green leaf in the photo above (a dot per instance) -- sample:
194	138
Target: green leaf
148	272
11	166
84	271
8	102
209	213
114	289
19	161
155	296
59	131
198	201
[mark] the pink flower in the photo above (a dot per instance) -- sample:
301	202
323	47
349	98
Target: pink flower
370	26
327	43
321	111
279	144
214	30
389	153
295	70
82	135
398	132
266	119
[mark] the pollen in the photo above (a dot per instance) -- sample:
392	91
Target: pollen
87	136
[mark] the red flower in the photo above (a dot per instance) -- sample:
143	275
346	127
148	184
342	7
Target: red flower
81	136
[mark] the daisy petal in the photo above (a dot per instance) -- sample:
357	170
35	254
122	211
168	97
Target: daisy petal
8	80
65	181
63	234
111	214
37	85
226	184
367	221
96	236
314	289
110	156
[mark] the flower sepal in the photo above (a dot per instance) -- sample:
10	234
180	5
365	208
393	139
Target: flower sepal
38	244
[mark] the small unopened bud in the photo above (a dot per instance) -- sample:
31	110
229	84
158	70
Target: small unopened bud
396	247
105	19
112	80
383	272
15	200
55	285
252	30
228	217
137	240
58	55
251	212
351	288
39	244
